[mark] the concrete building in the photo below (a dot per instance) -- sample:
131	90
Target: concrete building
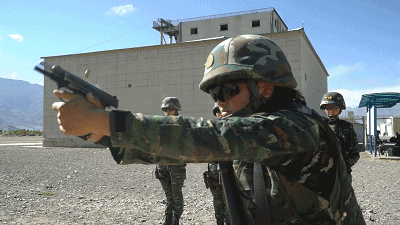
142	77
258	21
390	126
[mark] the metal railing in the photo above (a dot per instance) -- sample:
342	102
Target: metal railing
176	22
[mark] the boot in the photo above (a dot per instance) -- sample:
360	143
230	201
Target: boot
168	219
220	222
175	221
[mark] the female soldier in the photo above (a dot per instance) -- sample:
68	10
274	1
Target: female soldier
288	167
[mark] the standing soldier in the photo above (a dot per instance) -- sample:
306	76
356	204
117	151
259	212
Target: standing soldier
333	103
172	176
379	143
288	168
213	181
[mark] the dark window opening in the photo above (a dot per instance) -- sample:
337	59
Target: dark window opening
224	27
193	31
255	23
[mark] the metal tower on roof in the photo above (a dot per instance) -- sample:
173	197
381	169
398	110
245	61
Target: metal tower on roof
166	27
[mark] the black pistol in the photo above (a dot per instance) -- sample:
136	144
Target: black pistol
76	85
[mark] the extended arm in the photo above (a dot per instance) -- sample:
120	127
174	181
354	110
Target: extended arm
263	140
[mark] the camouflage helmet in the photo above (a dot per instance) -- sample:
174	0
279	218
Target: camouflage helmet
171	103
333	98
250	57
216	109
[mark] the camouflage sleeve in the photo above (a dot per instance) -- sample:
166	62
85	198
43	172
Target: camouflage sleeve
353	153
272	140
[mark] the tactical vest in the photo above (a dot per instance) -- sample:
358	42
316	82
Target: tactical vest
338	128
290	202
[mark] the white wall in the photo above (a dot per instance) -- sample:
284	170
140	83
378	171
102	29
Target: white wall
313	74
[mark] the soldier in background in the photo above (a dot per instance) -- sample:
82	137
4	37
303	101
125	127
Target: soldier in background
172	176
213	181
379	144
333	103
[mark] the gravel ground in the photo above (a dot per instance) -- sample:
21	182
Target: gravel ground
85	186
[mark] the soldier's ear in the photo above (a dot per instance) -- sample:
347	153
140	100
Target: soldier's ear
266	89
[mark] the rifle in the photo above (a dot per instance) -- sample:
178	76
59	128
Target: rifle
233	200
76	85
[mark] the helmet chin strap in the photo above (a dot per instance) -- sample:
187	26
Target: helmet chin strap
256	100
333	117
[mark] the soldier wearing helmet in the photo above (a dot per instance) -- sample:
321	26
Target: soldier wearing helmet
333	103
287	166
170	106
172	177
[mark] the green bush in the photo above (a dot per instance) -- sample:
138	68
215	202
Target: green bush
22	132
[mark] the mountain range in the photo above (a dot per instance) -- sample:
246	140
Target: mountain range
382	112
21	105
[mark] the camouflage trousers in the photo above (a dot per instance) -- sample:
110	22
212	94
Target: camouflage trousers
355	215
171	178
217	193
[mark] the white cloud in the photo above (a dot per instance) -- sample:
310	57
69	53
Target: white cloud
122	10
17	37
344	69
353	97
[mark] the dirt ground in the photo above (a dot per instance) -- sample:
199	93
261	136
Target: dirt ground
85	186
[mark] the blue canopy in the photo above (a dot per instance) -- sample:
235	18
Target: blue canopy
372	102
380	100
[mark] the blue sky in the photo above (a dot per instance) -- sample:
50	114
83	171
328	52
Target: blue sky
358	41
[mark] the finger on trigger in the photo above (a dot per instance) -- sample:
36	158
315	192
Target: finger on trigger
96	102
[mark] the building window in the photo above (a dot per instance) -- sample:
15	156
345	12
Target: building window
305	76
193	31
255	23
224	27
276	23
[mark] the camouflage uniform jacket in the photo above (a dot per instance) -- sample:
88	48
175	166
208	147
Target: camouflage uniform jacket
289	143
344	131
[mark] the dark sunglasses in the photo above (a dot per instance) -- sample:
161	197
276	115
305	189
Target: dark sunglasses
330	107
225	91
